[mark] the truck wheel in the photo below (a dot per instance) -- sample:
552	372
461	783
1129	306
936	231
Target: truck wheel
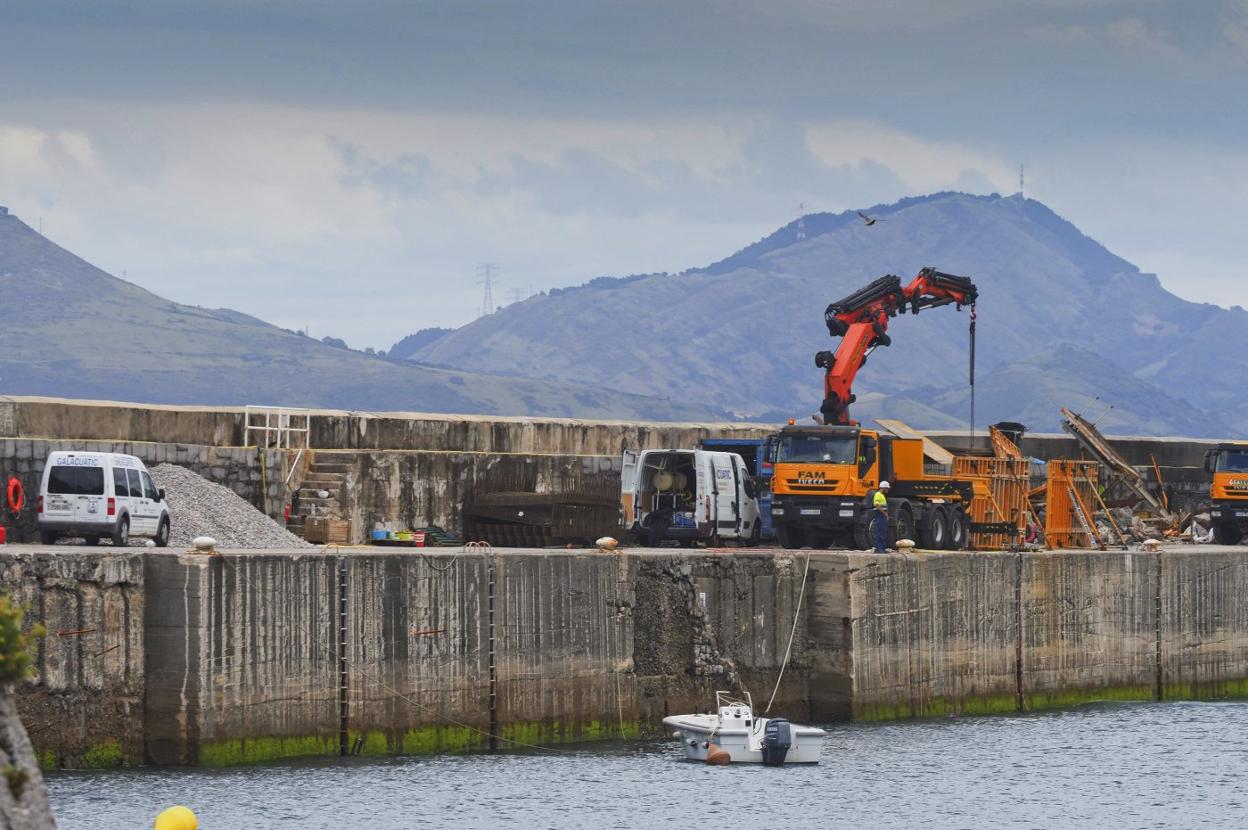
904	527
790	537
862	536
934	532
1227	533
47	537
121	535
958	530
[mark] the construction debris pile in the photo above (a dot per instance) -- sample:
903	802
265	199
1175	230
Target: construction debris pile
200	508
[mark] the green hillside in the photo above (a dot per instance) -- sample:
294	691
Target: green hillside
68	329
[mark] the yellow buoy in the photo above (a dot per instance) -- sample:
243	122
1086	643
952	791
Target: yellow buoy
176	818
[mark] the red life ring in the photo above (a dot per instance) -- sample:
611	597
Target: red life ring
17	497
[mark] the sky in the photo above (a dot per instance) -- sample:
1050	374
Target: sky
348	166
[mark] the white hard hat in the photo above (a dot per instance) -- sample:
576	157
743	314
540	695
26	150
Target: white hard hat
883	485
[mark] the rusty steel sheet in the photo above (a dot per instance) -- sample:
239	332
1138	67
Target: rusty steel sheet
1097	446
1070	505
1001	499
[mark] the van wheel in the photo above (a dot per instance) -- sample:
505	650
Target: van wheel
47	537
121	536
756	535
162	533
91	540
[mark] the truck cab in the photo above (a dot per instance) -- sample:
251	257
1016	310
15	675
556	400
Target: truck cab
823	476
688	496
1229	491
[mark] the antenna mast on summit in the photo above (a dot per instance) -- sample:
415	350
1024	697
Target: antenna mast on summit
801	221
488	272
1020	181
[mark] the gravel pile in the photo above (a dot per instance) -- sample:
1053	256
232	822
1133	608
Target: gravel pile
201	508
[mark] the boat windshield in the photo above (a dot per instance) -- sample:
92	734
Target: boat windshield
826	449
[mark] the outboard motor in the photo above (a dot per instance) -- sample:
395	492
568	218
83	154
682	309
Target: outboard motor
777	738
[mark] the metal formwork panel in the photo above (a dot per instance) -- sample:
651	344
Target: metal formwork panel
1070	505
1002	499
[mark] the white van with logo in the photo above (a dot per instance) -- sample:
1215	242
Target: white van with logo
90	495
689	495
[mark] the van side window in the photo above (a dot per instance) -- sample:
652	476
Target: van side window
136	486
120	487
149	489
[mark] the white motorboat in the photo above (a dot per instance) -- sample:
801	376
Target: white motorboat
749	740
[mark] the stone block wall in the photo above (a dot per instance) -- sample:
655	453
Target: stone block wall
255	475
84	705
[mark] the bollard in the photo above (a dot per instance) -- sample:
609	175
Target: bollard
176	818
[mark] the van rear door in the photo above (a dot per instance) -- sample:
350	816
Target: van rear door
92	500
60	501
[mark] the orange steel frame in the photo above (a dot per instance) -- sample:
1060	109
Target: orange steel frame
1003	499
1062	528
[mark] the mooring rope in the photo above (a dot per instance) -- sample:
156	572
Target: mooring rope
792	634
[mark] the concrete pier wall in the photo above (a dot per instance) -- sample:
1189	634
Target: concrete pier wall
84	705
182	658
243	660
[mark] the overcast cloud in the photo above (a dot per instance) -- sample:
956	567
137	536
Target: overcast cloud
346	165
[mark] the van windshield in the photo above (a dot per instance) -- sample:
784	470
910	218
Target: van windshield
822	448
76	481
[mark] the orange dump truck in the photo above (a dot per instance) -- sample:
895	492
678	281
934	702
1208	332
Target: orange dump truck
1229	492
823	476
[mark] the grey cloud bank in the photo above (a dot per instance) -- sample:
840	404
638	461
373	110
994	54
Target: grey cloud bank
302	162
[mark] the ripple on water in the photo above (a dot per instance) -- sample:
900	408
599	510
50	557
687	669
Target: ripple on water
1104	766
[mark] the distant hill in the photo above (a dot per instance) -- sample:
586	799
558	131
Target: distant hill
413	343
68	329
741	333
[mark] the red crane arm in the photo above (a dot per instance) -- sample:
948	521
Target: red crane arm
861	321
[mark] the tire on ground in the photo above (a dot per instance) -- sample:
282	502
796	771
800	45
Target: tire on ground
934	529
121	535
789	536
1227	533
903	526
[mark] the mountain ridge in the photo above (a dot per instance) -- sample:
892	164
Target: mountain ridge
70	329
740	333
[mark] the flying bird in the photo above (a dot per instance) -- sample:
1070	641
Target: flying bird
867	220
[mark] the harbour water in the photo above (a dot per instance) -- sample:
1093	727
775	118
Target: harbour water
1100	766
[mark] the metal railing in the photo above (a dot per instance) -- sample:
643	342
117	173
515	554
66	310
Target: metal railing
276	428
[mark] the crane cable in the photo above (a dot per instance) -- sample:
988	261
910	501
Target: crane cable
797	613
971	443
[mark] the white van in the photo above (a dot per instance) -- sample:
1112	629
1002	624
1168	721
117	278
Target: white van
95	494
688	495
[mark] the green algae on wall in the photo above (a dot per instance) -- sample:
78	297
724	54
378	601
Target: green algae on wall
258	750
103	755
